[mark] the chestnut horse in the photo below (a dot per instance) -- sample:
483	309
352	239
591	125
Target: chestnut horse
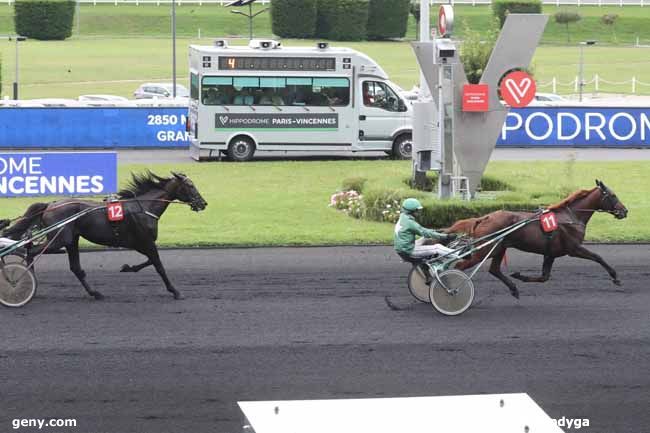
572	214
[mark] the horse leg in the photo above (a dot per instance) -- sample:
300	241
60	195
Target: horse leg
75	267
546	272
495	269
136	268
583	253
152	254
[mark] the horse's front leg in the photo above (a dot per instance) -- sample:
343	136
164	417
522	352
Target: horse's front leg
495	269
583	253
546	272
151	252
136	268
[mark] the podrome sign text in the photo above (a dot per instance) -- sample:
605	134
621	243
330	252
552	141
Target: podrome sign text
573	126
36	174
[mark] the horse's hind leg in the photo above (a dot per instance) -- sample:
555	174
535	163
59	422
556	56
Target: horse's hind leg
495	269
583	253
75	267
546	272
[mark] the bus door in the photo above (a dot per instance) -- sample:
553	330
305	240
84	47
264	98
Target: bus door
381	114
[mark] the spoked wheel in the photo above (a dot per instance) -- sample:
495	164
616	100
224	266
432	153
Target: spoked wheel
452	293
418	284
17	284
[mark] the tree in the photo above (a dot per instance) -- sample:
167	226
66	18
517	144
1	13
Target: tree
566	18
476	49
610	20
415	11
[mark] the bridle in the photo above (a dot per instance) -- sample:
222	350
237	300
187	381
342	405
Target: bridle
607	200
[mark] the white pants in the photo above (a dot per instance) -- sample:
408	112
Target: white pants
5	242
430	250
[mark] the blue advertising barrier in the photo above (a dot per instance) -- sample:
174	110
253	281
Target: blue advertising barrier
164	127
93	127
74	173
576	126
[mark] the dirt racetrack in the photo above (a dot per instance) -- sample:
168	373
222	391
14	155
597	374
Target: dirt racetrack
261	324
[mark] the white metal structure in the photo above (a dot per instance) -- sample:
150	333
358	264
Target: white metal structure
268	97
489	413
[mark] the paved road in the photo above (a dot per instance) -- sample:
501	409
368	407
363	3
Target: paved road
312	323
516	154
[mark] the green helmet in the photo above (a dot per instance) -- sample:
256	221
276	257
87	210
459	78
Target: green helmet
411	205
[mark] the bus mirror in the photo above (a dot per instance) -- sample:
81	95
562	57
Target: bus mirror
401	106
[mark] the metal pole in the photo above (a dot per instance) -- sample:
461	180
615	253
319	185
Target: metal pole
174	48
16	75
580	73
425	24
250	21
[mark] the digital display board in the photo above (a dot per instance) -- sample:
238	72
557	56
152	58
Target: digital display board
277	63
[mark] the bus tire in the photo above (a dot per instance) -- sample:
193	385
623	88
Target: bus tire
241	149
402	147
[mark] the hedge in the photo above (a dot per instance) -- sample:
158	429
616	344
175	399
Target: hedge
501	8
388	18
294	18
44	20
342	19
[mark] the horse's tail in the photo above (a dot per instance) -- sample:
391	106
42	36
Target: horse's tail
33	213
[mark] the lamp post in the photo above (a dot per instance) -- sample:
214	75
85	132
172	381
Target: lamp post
581	82
174	49
18	39
250	15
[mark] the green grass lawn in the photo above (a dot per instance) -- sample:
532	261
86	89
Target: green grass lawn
67	69
119	47
217	21
286	203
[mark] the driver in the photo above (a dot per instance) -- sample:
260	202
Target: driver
407	228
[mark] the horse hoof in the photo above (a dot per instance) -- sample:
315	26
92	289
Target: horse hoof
617	282
98	296
178	296
126	268
515	293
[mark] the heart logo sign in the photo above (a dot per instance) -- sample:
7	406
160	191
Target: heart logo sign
223	120
518	89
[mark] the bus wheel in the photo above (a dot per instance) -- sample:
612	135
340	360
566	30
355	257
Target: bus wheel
241	149
402	147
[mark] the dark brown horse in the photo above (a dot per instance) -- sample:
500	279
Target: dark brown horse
573	215
144	201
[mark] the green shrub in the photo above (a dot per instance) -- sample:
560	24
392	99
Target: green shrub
501	8
384	205
342	19
476	49
388	18
489	183
415	11
44	20
445	213
610	21
293	18
354	184
566	18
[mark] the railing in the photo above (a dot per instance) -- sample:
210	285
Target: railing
596	81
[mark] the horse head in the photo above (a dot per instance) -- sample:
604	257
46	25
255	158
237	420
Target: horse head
609	202
187	193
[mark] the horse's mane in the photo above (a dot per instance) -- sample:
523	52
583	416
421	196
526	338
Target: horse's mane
581	193
143	183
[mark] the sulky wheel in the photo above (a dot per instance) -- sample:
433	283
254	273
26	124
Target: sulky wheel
17	284
452	292
418	285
